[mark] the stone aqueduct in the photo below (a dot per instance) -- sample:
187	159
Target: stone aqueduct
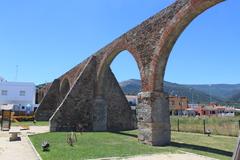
88	96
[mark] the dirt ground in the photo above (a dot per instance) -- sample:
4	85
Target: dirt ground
183	156
19	150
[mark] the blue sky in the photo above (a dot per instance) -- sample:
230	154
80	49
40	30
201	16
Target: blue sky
47	38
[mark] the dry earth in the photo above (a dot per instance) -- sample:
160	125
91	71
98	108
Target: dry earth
184	156
19	150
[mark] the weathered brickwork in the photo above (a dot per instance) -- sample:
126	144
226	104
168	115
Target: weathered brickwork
93	98
57	92
81	110
50	102
74	113
41	92
119	114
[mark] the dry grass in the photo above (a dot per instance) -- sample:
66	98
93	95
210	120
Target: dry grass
228	126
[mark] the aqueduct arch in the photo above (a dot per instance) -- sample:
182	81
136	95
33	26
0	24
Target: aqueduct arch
150	43
107	61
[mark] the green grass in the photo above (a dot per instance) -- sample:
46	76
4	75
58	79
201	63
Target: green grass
30	123
220	147
228	126
106	144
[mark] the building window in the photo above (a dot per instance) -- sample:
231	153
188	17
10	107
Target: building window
4	92
22	93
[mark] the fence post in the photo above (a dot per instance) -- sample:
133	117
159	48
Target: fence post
236	153
204	126
238	124
178	123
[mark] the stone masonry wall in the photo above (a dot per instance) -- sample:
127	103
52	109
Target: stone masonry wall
50	102
55	96
75	112
119	114
41	92
78	110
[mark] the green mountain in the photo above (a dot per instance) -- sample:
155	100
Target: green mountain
223	91
220	93
194	95
131	87
235	98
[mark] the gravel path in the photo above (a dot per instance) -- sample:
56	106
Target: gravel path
19	150
184	156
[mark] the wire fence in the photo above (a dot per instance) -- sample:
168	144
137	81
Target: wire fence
228	126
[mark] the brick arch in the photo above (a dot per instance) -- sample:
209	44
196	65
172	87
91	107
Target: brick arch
171	33
64	87
109	57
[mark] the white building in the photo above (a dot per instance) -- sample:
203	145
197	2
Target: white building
21	95
2	79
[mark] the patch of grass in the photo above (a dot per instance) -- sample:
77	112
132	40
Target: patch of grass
30	123
93	145
105	144
228	126
220	147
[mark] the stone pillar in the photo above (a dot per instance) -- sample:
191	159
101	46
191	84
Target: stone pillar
153	118
100	114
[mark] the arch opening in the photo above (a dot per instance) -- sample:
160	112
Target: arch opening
120	86
170	34
126	71
200	73
106	63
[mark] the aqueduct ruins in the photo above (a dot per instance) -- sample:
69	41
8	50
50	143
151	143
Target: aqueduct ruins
88	96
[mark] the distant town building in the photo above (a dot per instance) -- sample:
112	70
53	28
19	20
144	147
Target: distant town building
132	101
210	110
177	105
